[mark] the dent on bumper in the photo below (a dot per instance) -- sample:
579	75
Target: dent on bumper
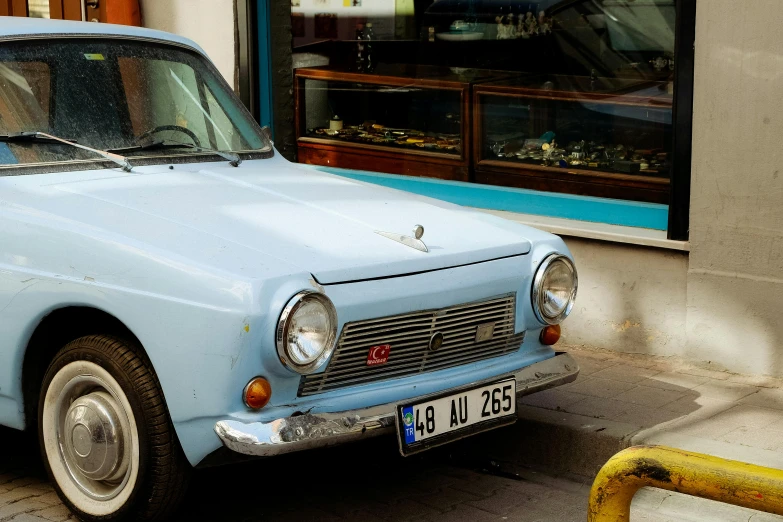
307	431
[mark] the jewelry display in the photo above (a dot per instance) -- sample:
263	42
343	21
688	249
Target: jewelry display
584	155
371	132
526	26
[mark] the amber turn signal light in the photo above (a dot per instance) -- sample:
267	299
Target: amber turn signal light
257	393
550	335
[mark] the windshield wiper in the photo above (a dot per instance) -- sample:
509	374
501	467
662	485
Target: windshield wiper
42	137
233	158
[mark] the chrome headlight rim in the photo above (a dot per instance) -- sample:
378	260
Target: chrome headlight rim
537	293
283	323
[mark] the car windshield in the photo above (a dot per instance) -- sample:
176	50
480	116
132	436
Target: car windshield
116	94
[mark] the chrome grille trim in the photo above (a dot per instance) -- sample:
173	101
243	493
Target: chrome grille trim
409	335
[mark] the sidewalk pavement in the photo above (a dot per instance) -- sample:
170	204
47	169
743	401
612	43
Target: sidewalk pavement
621	400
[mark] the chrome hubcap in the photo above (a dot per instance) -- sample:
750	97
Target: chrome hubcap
93	437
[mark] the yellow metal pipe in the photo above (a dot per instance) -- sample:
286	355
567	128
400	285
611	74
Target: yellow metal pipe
704	476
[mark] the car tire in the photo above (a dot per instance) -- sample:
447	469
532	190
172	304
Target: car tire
107	441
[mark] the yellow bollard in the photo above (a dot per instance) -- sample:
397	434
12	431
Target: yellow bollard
704	476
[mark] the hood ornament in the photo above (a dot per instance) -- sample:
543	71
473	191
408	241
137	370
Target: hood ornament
414	242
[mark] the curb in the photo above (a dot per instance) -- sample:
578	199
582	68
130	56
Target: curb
566	443
555	441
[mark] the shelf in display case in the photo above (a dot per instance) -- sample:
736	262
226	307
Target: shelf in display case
603	137
400	119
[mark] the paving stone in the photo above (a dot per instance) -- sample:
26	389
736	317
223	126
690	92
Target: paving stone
755	438
600	408
647	418
650	397
589	366
600	387
465	513
26	481
553	399
447	498
28	518
361	516
765	398
50	498
698	405
7	511
625	373
711	428
481	484
751	416
15	495
761	381
55	513
673	381
701	372
505	500
725	390
403	510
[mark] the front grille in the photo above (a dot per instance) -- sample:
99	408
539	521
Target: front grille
409	336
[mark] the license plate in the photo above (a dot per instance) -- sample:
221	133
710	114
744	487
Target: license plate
456	415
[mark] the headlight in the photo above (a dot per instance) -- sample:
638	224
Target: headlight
554	289
306	332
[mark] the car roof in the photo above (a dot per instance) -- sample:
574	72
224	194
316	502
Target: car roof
15	27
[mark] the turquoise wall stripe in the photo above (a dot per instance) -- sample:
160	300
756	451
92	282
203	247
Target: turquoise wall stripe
583	208
265	106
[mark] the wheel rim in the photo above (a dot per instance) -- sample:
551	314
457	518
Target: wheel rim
90	438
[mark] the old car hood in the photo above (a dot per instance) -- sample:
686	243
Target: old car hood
318	222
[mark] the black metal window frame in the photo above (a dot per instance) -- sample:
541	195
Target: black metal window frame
684	52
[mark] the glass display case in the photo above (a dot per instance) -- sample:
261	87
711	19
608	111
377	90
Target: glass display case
604	137
399	119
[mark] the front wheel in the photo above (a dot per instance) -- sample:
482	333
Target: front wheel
106	437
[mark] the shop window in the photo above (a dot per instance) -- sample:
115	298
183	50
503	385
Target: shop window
569	96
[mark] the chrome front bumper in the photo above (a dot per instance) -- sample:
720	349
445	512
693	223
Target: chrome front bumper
264	439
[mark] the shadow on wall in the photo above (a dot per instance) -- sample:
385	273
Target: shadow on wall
644	300
631	299
734	324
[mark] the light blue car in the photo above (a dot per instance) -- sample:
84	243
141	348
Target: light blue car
173	292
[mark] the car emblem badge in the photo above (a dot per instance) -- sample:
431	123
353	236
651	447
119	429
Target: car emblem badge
378	355
436	342
485	332
414	242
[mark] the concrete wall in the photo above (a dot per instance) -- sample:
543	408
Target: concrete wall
631	299
209	22
735	278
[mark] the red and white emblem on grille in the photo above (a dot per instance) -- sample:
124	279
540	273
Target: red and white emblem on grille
378	355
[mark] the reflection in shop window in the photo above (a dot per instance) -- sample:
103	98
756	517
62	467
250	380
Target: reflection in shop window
38	8
568	96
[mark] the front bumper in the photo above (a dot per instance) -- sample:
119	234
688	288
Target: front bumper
306	431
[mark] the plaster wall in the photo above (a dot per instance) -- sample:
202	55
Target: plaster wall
735	277
210	23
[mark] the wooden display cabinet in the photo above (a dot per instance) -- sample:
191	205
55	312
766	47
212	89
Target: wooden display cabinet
613	138
399	119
